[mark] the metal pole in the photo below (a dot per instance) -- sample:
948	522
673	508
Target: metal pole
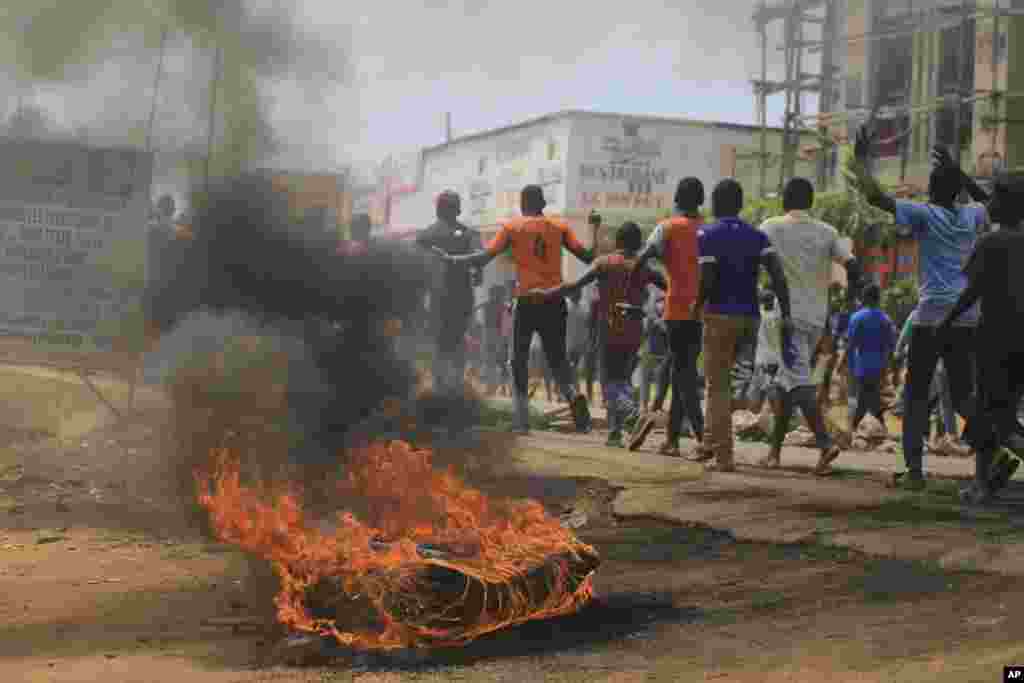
211	125
825	95
763	101
798	59
961	88
156	90
994	98
791	67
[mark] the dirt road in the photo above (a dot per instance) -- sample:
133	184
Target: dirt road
101	579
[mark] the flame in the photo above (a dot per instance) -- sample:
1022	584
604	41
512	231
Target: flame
374	561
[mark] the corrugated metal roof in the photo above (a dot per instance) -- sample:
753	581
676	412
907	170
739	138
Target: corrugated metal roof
581	113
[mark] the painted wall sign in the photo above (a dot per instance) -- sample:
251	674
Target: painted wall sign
624	200
623	173
629	148
72	220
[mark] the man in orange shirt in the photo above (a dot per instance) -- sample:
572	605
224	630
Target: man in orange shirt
674	243
618	282
535	243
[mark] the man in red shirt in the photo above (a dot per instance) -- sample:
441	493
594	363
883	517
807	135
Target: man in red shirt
619	281
674	243
535	243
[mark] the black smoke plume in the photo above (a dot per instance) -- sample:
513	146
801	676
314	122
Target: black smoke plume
246	257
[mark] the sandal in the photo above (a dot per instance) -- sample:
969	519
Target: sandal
702	454
642	431
827	458
670	450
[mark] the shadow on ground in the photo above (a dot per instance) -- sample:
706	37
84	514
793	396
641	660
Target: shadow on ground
611	618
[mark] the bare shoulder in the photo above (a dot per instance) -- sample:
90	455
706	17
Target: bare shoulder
560	223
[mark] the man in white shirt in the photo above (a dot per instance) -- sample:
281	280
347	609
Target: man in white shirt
807	248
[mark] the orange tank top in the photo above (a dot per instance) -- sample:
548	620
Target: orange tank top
679	254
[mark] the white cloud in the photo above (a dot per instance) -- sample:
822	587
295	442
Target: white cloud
488	63
493	63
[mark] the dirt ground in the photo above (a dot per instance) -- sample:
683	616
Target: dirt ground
101	578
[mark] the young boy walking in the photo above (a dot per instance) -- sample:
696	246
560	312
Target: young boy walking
872	338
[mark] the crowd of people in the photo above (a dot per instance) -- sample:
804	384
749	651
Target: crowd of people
714	308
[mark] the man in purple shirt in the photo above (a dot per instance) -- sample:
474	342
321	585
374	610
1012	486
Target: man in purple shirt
732	253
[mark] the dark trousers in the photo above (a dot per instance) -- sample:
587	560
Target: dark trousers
591	358
1000	383
684	338
869	399
658	372
450	360
548	319
956	350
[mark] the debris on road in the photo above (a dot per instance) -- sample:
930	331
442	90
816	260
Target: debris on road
48	536
574	520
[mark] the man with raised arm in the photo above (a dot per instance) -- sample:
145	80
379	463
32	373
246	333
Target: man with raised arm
535	243
996	278
946	234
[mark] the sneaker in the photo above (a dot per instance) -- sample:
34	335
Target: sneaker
1015	442
614	440
975	495
720	466
640	433
1003	468
908	481
670	450
581	414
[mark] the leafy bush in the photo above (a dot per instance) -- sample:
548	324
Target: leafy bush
899	299
848	212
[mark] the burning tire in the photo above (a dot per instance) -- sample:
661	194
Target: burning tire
420	559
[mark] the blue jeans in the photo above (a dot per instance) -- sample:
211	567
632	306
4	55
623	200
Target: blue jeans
617	365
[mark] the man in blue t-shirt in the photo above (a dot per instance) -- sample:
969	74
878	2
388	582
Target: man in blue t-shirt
871	338
946	234
731	255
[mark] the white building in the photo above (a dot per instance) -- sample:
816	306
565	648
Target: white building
622	166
